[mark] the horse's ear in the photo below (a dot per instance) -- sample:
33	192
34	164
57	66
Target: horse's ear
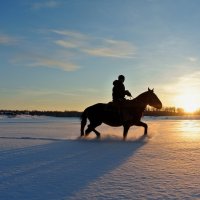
150	90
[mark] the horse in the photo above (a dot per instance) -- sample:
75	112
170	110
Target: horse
126	114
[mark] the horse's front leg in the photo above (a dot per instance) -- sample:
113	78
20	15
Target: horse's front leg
143	125
126	128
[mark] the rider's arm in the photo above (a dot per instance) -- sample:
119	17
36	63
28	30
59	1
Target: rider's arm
128	93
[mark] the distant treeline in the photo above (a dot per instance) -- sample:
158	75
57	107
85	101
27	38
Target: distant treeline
41	113
165	111
168	111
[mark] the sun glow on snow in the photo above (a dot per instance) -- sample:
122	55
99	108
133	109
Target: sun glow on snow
188	101
189	129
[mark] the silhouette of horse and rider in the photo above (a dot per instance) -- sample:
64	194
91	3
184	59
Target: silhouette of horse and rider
119	112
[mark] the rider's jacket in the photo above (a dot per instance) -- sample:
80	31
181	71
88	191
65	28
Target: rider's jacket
118	91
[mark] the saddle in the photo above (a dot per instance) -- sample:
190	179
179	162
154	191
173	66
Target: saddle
119	109
116	105
113	107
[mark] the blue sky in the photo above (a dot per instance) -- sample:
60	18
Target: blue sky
65	54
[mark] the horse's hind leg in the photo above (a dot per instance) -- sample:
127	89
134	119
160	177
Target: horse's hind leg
88	130
91	127
83	123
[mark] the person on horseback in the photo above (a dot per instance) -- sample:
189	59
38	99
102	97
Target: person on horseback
119	101
118	91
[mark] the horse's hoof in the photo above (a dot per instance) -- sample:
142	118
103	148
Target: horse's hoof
98	136
80	137
86	134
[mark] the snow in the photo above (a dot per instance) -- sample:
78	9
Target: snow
43	158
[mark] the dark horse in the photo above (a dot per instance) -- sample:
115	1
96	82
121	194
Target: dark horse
126	115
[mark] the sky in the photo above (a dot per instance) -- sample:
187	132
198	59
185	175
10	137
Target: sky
65	54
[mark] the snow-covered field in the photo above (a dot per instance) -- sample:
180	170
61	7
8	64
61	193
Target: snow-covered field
42	158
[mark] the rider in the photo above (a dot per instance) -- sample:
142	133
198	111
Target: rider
118	94
118	91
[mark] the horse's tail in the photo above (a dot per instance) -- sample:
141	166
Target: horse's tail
83	121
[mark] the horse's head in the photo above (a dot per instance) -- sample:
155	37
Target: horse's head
153	100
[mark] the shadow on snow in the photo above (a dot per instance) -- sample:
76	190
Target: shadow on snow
60	169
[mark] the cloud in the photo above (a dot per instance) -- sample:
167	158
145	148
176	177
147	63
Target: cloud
44	92
33	60
7	40
112	48
190	80
72	34
57	64
33	55
67	44
187	82
74	46
46	4
72	39
192	59
94	46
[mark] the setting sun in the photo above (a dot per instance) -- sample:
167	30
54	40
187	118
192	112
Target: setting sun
188	102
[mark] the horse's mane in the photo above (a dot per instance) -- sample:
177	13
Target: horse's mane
138	101
139	97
